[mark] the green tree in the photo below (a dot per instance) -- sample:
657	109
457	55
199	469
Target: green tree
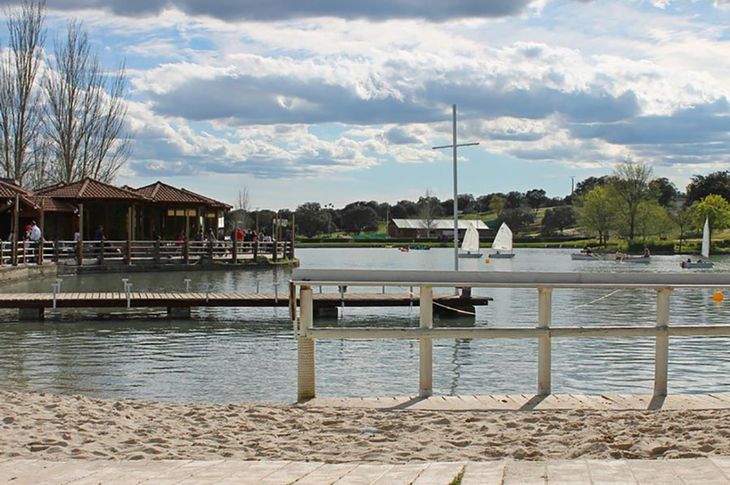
631	188
429	208
311	219
517	219
535	198
596	212
557	219
703	185
682	218
715	209
497	204
651	219
357	218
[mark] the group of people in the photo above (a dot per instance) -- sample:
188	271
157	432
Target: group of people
32	233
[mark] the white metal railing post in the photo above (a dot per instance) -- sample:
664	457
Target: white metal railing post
425	355
305	346
661	361
544	357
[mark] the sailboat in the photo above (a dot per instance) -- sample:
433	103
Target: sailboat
705	252
502	244
470	244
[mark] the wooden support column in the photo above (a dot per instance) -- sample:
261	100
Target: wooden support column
42	226
234	250
291	250
661	362
80	243
425	354
16	231
544	353
128	249
305	347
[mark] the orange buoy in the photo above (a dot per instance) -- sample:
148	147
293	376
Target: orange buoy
718	296
487	261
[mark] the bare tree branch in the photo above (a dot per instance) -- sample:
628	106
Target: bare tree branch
20	101
86	112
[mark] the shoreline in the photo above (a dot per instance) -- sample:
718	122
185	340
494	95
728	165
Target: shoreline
63	427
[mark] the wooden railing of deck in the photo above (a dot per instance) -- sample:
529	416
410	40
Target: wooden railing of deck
131	252
663	283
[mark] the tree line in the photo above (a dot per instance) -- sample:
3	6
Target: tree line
629	204
62	116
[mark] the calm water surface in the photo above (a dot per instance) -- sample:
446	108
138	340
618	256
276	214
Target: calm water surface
229	355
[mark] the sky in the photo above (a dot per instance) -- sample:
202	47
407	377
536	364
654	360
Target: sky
338	101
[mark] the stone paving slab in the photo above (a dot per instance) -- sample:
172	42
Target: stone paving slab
530	402
705	471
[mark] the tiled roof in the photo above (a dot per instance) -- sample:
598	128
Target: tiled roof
161	192
89	189
49	204
438	224
9	190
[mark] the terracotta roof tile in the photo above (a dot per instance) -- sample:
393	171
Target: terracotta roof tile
49	204
89	189
161	192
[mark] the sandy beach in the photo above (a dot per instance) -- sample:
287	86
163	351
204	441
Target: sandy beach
56	427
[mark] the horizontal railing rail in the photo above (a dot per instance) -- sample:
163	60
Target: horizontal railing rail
89	252
663	283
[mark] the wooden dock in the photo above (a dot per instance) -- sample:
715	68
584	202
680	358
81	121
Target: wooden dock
31	306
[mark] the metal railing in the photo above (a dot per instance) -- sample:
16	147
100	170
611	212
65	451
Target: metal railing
131	252
306	332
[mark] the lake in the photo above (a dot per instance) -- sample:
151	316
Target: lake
249	354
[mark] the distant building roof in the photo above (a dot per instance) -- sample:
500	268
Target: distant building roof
161	192
89	189
438	224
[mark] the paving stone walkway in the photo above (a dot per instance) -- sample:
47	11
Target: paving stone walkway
700	471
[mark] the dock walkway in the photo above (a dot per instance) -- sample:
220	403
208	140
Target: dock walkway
706	471
181	302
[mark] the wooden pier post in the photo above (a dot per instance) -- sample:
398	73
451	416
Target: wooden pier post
80	242
293	232
661	361
305	347
425	354
16	231
544	355
234	248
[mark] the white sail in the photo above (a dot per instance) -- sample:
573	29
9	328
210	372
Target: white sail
503	239
470	244
706	240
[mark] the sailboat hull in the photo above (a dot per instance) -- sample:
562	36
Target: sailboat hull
502	255
702	265
470	255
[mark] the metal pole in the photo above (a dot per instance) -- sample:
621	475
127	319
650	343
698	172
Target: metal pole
456	200
425	354
544	358
661	359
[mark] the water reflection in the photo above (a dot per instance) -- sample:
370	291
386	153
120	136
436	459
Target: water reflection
236	354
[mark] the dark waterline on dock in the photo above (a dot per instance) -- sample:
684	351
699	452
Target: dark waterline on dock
242	354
